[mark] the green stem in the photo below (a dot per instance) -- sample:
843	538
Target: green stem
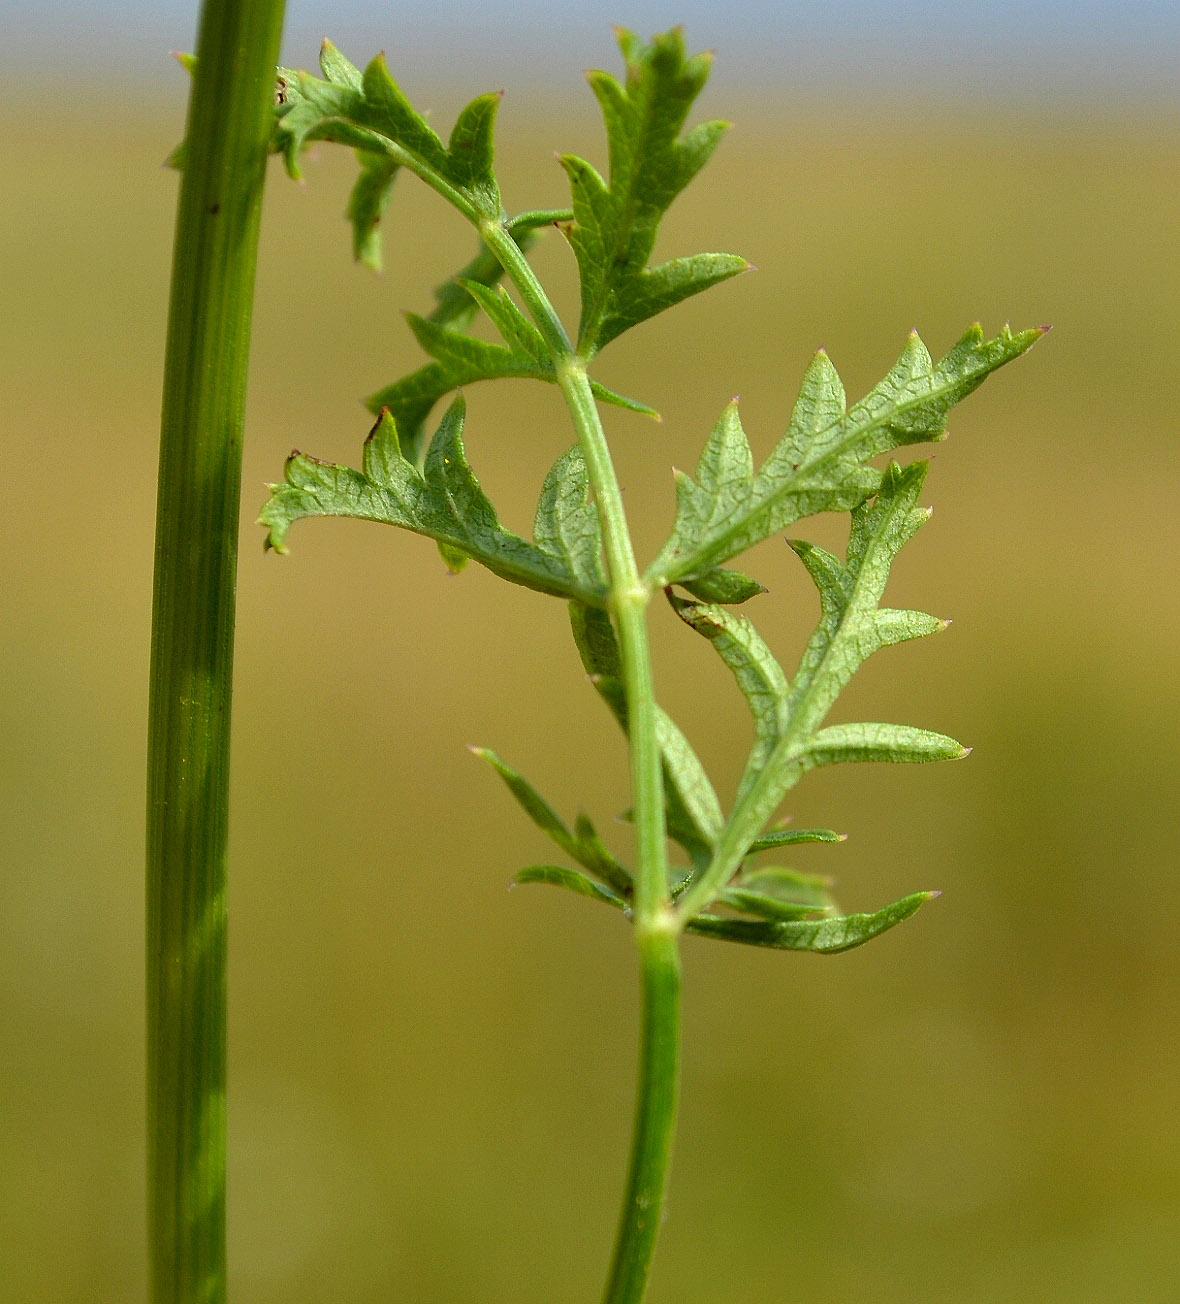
655	1119
656	927
629	594
629	597
229	123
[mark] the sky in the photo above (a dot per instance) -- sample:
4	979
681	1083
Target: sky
1033	53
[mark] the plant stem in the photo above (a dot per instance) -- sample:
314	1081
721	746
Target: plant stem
656	928
655	1118
229	123
629	593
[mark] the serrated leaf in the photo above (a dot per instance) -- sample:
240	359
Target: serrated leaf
614	227
898	743
386	110
583	845
822	463
572	880
693	812
789	738
368	111
759	676
852	626
826	936
444	502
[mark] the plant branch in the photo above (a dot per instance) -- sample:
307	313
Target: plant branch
229	127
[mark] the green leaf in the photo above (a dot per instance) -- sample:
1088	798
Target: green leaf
566	523
788	885
443	501
694	818
369	112
519	334
471	151
593	853
614	227
604	395
337	69
758	674
725	586
367	204
535	806
583	885
791	837
881	742
852	626
583	845
175	159
789	738
822	463
827	936
763	906
462	360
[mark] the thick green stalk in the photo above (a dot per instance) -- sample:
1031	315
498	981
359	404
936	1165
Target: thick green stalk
229	123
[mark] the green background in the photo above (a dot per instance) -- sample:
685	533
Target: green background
431	1078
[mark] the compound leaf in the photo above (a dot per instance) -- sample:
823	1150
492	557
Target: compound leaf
443	501
822	463
614	225
788	718
369	112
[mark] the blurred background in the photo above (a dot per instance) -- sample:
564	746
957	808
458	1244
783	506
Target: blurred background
432	1078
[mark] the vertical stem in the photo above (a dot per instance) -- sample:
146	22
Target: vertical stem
229	121
629	598
655	1119
656	925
